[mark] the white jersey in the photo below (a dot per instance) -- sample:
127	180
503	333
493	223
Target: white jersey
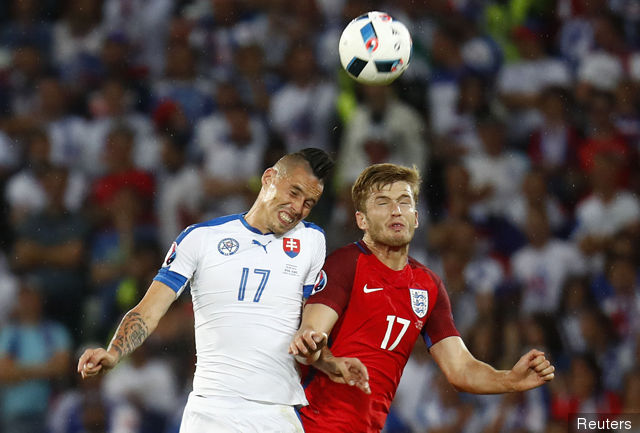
247	290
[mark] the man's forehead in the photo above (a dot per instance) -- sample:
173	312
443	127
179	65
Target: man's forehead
300	178
394	188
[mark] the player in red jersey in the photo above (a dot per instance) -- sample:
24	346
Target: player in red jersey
376	303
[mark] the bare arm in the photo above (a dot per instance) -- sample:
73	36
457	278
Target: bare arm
309	346
311	337
134	329
13	372
466	373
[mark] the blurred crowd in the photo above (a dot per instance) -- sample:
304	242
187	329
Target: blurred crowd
123	121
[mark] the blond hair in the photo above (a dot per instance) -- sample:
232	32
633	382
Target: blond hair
377	176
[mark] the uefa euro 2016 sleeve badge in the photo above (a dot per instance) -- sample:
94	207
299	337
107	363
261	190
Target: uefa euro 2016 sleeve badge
419	302
228	246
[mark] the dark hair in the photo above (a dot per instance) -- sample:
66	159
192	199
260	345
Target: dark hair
320	162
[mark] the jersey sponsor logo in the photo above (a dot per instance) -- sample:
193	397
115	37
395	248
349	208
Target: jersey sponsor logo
321	282
171	254
419	302
291	246
368	290
228	246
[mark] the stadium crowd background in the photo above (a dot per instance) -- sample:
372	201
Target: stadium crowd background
123	121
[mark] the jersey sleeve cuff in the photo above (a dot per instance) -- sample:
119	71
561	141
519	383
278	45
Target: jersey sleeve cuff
172	279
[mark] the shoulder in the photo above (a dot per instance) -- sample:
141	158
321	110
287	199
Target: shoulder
213	223
348	252
428	273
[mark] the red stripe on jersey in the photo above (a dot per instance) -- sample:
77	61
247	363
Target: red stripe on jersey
382	314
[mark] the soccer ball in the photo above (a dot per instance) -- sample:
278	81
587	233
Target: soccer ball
375	49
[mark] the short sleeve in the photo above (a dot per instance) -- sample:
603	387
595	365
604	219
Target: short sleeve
314	280
440	324
339	273
181	260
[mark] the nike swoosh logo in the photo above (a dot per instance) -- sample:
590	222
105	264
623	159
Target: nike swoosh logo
372	290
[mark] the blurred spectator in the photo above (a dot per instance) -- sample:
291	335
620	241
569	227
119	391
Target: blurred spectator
301	111
607	210
497	169
233	144
602	69
542	267
576	299
26	25
24	192
554	144
180	196
148	384
85	409
181	83
137	20
50	246
459	135
382	129
252	79
77	39
29	64
34	352
623	306
584	392
520	82
601	136
536	197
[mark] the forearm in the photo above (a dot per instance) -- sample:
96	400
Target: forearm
481	378
325	362
131	333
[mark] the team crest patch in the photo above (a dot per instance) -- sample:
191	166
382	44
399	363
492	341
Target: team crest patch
291	246
419	302
171	254
228	246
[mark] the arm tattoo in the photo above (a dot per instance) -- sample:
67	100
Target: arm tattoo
130	334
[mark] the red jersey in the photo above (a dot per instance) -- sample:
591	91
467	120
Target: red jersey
382	314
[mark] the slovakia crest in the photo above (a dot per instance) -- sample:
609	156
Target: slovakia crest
228	246
419	302
291	246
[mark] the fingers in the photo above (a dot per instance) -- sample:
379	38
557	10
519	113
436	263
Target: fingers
89	363
357	375
307	342
543	367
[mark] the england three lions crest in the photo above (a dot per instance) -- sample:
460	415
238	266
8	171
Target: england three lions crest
419	302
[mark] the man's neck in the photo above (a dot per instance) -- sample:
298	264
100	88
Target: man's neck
252	217
395	258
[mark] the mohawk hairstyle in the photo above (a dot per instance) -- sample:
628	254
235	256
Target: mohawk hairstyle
320	162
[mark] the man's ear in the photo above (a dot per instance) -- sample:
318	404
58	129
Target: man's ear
361	220
269	176
417	223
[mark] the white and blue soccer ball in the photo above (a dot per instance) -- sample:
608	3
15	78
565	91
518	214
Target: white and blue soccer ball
375	49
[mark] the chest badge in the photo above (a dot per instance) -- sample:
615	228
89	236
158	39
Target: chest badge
419	302
228	246
291	246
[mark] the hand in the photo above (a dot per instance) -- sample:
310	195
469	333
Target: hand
307	345
350	371
94	361
531	371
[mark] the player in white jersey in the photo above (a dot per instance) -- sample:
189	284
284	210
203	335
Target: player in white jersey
248	275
